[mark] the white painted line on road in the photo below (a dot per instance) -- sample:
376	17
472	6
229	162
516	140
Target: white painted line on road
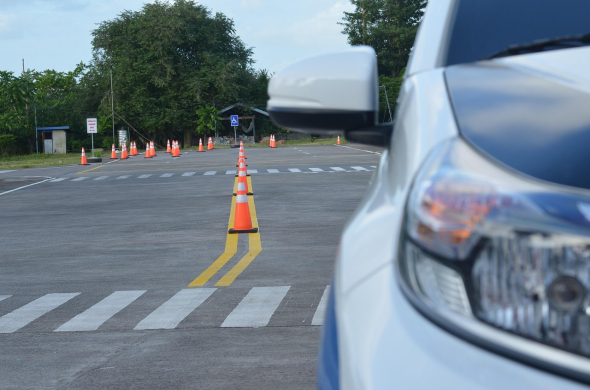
373	166
101	178
188	173
360	168
305	153
57	180
20	188
256	308
98	314
174	310
362	150
123	177
80	178
3	297
22	316
167	175
316	169
231	172
318	317
273	170
338	169
6	171
294	170
143	176
252	171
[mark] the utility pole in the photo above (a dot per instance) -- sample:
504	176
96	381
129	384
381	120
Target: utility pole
112	104
364	27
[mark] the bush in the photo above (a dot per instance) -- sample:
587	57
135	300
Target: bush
7	144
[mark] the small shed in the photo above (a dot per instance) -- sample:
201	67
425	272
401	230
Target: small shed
54	139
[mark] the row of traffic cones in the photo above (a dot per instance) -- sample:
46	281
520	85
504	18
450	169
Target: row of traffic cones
150	150
124	154
242	219
273	142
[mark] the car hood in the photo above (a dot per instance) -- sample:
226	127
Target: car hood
529	112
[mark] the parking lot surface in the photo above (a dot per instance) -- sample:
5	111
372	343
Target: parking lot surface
123	276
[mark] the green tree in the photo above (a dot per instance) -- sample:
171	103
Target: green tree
389	26
209	118
167	59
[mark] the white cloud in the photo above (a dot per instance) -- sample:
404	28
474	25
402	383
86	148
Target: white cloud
10	28
250	4
322	28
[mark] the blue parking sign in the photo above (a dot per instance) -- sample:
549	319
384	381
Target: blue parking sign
234	120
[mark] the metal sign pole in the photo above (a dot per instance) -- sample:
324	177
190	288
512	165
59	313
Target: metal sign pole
92	135
235	136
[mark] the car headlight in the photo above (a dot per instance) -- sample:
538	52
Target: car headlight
492	254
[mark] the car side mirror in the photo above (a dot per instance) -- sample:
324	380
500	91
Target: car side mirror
330	94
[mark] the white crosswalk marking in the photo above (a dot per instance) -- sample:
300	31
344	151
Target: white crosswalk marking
56	180
6	171
316	169
272	170
318	317
231	172
373	166
143	176
80	178
98	314
188	173
174	310
252	171
294	170
360	168
28	313
209	173
123	177
167	175
3	297
338	169
256	308
101	178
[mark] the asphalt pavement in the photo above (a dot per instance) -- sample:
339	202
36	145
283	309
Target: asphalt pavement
122	275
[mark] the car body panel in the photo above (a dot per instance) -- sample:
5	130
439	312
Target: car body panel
525	120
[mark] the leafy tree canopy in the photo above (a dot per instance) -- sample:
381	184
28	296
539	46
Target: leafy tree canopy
389	26
168	59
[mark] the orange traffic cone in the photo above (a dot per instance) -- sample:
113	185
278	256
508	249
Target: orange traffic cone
242	221
124	155
242	177
201	145
133	149
338	143
175	149
242	155
152	147
83	161
113	153
240	168
168	150
210	144
243	151
148	151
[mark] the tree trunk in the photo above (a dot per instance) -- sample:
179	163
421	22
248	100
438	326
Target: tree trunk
187	138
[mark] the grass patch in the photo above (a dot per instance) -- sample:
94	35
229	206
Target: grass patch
42	160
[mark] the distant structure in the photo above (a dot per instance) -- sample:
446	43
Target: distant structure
54	139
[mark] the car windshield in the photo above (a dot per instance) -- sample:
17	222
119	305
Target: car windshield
483	27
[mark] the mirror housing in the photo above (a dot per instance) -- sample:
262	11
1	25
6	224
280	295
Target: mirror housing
327	94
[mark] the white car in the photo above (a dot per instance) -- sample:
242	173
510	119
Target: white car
467	264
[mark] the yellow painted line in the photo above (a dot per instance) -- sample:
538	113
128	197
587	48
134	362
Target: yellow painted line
255	247
91	169
231	247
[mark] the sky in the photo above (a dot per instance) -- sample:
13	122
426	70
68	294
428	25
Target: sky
56	34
